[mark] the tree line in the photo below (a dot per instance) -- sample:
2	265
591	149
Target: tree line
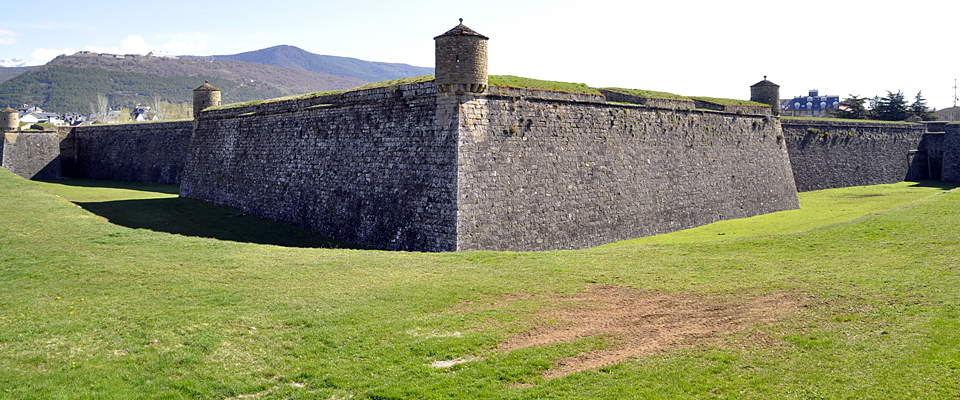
892	107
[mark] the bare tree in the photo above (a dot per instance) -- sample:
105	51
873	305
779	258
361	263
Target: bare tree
100	109
158	107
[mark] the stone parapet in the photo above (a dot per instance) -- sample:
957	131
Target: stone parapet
828	154
339	99
673	104
732	108
506	91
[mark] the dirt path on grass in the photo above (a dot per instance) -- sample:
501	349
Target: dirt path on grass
641	323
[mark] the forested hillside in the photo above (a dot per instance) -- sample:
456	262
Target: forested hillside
294	57
9	72
71	83
63	89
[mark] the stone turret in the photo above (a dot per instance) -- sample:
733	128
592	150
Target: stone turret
9	120
461	61
205	96
766	92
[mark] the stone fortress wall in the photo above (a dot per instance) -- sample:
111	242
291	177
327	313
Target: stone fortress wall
401	169
32	154
474	167
542	174
366	168
951	152
147	152
832	154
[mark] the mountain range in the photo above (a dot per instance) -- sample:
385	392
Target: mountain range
296	58
72	83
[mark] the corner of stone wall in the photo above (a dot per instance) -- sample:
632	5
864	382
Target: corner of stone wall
951	153
32	154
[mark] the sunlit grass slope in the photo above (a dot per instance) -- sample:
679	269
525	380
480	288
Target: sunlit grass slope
94	310
817	208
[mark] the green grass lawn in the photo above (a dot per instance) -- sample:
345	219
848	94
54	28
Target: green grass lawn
649	94
530	83
102	303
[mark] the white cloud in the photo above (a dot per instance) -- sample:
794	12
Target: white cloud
183	47
135	44
7	36
44	55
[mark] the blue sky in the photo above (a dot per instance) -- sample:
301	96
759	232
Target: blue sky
708	48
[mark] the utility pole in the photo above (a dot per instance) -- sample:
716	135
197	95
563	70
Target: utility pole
954	92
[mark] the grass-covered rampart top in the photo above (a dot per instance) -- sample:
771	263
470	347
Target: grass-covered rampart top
30	126
730	102
648	94
857	121
304	96
530	83
512	82
369	86
394	82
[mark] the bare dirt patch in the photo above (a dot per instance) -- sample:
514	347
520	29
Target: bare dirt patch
643	323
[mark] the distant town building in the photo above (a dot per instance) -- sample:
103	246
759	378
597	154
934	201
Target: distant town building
26	108
811	105
948	114
42	118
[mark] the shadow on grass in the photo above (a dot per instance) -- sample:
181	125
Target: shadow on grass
936	184
161	212
194	218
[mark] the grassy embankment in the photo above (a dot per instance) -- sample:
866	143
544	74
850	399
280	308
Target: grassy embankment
91	309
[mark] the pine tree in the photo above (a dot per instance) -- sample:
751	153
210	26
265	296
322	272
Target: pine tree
919	108
893	107
852	107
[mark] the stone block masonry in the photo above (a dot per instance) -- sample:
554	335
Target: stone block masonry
144	152
32	154
370	168
542	174
835	154
951	153
403	169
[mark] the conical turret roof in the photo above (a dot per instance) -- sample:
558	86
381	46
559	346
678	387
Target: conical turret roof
8	110
764	82
206	87
462	30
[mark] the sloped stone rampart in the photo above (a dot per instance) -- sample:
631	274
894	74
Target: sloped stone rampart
951	153
32	154
144	152
369	169
541	174
835	154
513	92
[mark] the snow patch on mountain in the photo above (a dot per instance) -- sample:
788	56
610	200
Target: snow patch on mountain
17	62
